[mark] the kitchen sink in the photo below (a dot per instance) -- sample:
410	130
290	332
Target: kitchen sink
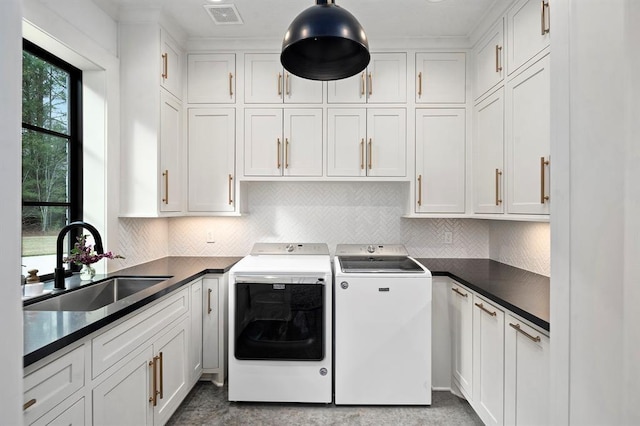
97	295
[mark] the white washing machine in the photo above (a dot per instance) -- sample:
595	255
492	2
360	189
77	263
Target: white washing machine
382	316
280	324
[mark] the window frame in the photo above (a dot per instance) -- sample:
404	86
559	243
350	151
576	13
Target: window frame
75	147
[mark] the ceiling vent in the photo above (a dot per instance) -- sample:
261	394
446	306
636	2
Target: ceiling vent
224	14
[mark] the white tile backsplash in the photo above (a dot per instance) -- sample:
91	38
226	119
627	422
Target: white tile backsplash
333	213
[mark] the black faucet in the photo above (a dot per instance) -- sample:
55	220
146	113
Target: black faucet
58	276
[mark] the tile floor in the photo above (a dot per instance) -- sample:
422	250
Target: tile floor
207	404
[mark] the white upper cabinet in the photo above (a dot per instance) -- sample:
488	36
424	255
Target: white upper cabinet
211	178
490	60
440	78
211	78
266	81
528	139
387	142
488	154
528	32
170	64
440	160
346	142
170	153
384	81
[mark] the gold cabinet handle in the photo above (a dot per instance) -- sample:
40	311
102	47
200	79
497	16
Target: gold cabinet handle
287	85
209	302
370	84
28	404
362	84
518	329
279	84
544	17
166	187
420	84
370	154
231	85
230	189
498	199
420	190
543	197
498	61
278	151
457	291
286	153
154	387
161	392
481	306
362	154
165	66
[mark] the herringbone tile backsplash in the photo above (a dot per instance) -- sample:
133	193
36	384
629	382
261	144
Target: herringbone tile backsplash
327	212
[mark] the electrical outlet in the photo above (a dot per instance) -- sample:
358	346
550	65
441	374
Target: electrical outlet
448	237
210	238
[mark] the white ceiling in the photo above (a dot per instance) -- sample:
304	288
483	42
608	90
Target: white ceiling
266	19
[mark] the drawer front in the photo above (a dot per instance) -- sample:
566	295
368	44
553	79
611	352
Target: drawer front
114	344
49	385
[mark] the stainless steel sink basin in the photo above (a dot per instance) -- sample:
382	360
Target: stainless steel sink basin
97	295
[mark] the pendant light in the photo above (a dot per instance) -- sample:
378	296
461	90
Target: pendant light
325	42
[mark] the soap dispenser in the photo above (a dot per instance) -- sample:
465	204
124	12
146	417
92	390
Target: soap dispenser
33	287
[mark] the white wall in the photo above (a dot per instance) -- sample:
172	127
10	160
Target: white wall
10	213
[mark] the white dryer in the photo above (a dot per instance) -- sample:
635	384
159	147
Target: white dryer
280	324
382	316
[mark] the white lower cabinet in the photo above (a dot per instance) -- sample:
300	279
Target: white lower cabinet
213	328
526	374
195	336
69	413
461	311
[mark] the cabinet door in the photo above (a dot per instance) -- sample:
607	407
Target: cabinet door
462	338
67	414
489	59
527	380
263	142
488	154
301	90
528	139
170	153
488	362
123	398
264	79
211	78
303	142
440	160
440	78
195	334
346	142
386	142
211	324
387	78
211	160
170	64
352	90
172	350
528	32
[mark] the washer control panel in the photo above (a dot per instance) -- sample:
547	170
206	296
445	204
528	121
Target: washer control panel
371	249
289	248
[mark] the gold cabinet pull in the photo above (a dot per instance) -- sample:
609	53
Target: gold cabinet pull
419	190
543	198
278	151
481	306
370	84
166	187
457	291
165	66
544	17
286	153
230	85
420	84
362	84
498	62
230	189
362	154
209	302
287	85
28	404
279	84
154	387
161	392
370	154
498	174
518	329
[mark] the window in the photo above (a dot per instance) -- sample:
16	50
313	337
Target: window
51	154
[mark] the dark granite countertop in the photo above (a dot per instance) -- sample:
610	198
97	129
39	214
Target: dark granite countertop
522	292
45	332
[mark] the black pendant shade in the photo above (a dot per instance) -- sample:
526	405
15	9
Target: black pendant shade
325	42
